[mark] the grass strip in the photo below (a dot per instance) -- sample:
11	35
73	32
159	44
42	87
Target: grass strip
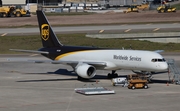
33	42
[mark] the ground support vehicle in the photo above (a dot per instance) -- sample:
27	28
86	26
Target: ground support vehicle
136	81
120	81
143	7
14	11
6	11
132	8
166	8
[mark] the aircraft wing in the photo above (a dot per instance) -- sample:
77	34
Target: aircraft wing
76	62
97	63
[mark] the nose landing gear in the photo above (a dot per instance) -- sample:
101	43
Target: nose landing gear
112	75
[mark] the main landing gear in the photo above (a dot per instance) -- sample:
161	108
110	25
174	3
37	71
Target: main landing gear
112	75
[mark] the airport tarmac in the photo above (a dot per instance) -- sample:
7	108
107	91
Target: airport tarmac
27	86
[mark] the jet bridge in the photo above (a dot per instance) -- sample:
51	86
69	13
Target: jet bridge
174	73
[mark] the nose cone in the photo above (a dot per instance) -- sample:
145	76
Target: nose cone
164	66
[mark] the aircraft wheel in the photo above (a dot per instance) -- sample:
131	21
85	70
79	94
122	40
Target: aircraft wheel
115	75
109	76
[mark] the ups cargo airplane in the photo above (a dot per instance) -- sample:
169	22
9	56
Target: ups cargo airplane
86	60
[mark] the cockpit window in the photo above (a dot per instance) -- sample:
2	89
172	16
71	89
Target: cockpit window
158	60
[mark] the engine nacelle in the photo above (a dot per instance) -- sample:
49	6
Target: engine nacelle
85	71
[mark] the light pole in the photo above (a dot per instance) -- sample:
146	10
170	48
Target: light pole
37	5
28	4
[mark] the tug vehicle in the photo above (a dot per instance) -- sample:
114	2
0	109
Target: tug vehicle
136	81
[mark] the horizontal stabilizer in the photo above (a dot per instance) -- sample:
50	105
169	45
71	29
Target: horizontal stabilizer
30	51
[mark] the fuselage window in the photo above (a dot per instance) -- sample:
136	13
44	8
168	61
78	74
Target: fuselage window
160	60
154	60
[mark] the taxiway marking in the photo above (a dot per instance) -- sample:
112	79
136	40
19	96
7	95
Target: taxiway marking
156	29
101	31
127	30
4	34
33	55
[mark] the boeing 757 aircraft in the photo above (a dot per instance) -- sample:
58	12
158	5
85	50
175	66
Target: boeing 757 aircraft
86	60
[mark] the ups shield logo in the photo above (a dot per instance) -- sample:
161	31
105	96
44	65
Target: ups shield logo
45	31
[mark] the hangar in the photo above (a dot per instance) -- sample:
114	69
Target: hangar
32	3
14	2
10	2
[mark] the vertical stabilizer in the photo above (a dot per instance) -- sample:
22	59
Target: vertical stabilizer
48	37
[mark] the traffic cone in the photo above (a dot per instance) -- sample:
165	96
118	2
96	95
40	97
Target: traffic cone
97	81
167	84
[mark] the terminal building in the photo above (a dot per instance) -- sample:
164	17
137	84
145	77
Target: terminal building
13	2
56	2
32	5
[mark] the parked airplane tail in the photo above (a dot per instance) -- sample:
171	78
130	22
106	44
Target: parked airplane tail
48	37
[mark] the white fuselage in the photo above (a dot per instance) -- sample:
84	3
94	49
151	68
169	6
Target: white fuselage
120	59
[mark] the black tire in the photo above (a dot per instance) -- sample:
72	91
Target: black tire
146	86
4	15
115	75
18	14
109	76
133	87
177	83
162	11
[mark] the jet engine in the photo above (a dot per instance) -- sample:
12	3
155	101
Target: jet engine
85	71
